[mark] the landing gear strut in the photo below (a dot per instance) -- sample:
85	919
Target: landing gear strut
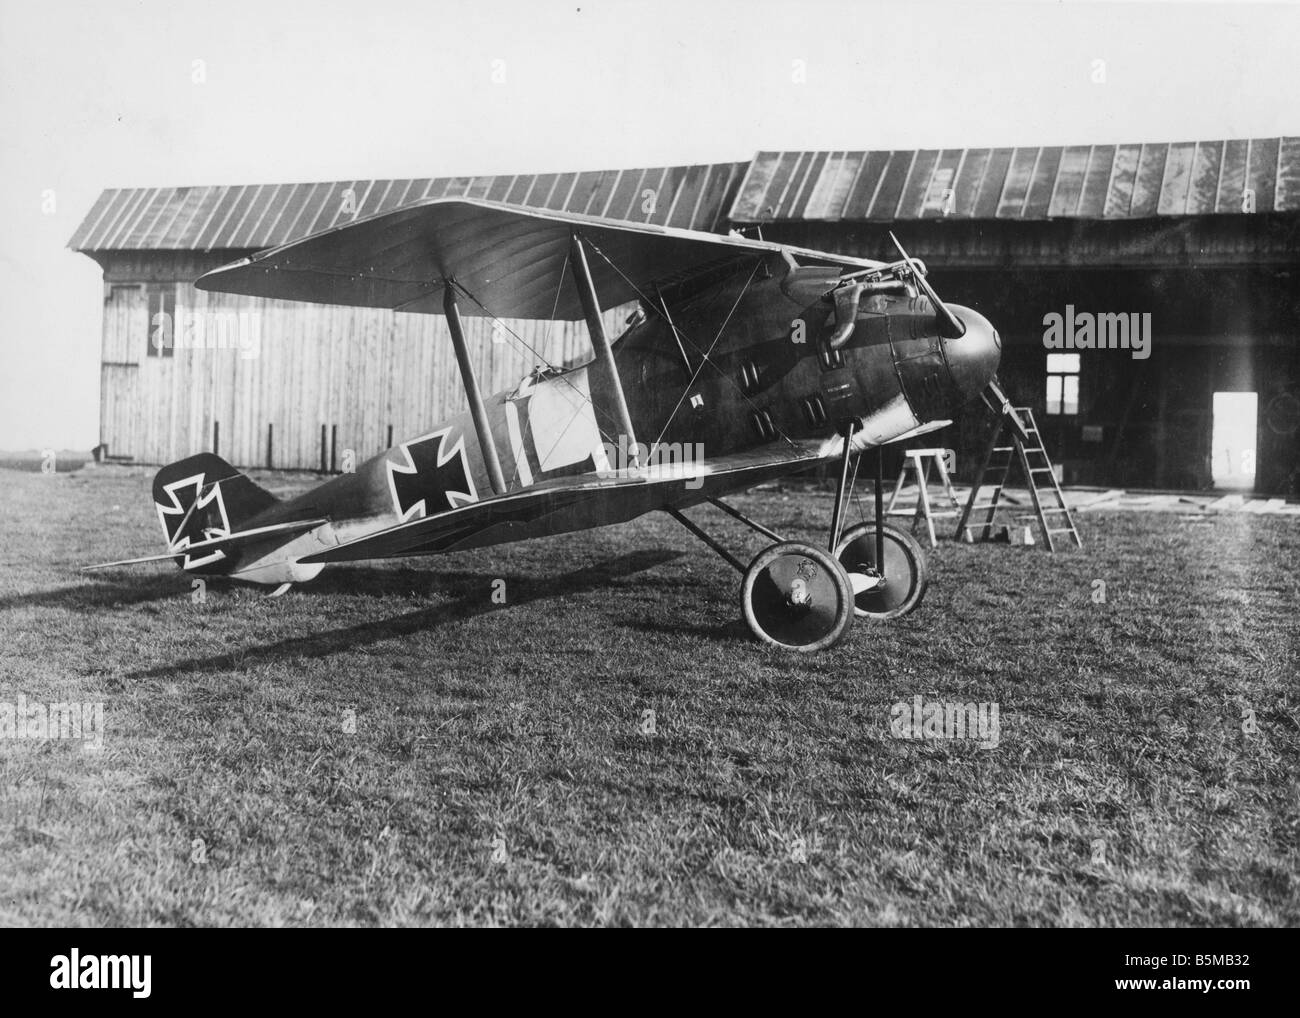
799	597
885	563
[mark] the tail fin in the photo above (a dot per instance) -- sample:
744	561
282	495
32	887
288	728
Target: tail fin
203	497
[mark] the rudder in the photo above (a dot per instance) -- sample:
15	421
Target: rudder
202	497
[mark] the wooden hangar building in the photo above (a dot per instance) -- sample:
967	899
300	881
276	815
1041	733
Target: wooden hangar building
1148	296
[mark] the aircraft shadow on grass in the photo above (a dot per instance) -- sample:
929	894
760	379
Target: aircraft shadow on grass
100	593
469	597
124	589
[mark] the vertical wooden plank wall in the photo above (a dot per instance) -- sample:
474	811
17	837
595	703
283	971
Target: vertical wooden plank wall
358	368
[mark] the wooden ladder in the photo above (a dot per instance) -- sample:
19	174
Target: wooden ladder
1017	439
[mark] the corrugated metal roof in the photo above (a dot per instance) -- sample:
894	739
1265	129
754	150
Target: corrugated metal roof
1079	181
1072	182
256	216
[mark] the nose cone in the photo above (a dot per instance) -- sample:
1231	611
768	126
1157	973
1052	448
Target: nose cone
973	357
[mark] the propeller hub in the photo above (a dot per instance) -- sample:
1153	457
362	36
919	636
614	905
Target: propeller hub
972	356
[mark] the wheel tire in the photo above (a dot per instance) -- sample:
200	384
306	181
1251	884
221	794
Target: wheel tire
797	597
906	576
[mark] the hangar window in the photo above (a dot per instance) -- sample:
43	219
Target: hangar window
161	339
1062	383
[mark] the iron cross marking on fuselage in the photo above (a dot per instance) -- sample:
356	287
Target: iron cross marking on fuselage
432	479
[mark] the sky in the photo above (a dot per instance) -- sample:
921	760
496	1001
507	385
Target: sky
132	94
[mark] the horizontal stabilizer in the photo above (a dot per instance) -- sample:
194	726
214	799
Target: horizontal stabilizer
216	544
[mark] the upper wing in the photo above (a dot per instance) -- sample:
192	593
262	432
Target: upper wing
511	258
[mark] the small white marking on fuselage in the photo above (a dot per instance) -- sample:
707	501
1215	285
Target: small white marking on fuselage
522	469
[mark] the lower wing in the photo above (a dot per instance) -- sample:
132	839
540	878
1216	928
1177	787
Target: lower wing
570	504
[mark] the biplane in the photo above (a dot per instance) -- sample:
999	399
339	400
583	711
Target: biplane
744	361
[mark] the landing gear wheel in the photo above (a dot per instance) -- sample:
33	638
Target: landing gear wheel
905	575
797	597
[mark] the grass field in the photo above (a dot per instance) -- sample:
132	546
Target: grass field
388	746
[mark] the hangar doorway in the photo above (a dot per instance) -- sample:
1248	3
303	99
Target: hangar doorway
1232	463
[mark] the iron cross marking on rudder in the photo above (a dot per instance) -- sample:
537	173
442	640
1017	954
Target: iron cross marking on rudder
430	476
189	520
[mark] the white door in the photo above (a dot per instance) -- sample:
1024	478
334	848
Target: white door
1233	439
